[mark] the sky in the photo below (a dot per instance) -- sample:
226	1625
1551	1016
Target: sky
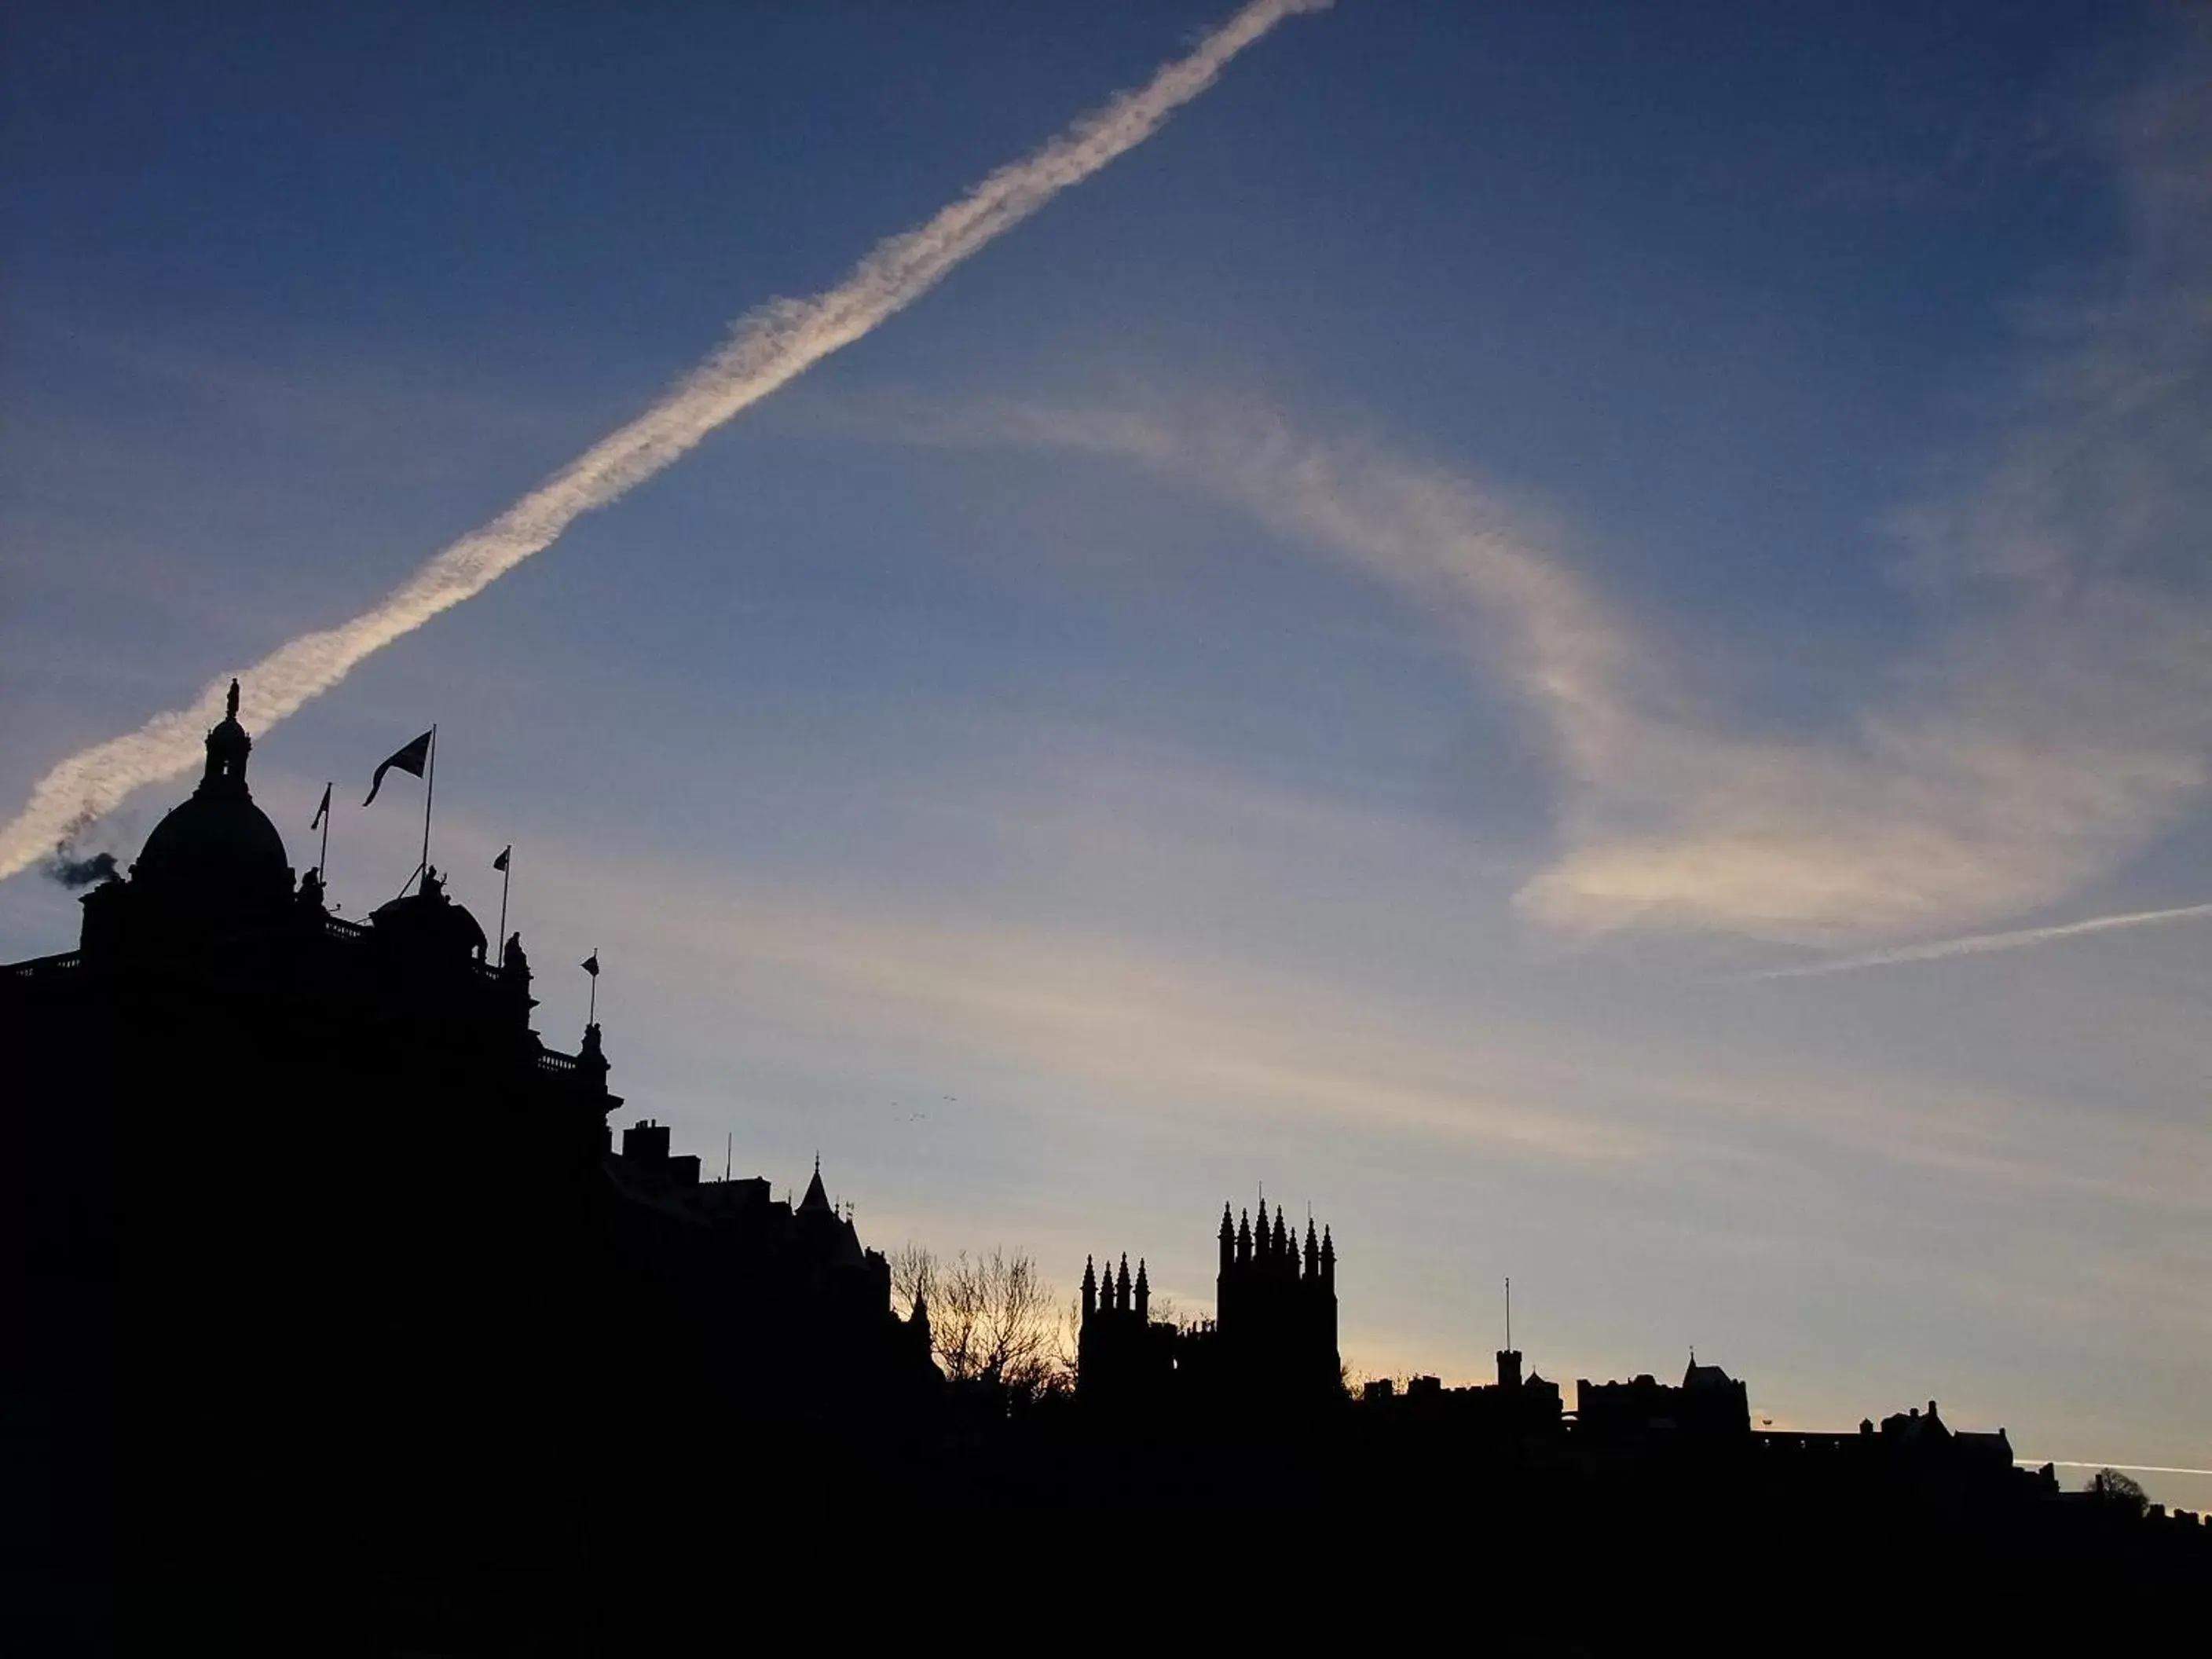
1531	625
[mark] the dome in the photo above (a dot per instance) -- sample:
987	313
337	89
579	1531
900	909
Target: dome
427	920
218	838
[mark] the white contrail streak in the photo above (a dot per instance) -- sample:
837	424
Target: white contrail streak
1976	945
2125	1468
768	347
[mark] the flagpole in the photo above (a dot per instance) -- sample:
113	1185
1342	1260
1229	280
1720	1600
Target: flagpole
323	869
429	789
506	875
592	1018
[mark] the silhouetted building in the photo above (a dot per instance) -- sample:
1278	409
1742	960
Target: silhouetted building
1272	1340
1274	1335
1123	1360
1509	1415
324	1289
1909	1443
1709	1405
312	1248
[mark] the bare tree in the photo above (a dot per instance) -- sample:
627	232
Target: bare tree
991	1316
2121	1491
914	1279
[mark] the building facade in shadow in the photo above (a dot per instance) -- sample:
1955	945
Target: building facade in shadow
320	1268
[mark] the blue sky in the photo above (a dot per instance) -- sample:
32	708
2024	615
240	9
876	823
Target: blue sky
1334	655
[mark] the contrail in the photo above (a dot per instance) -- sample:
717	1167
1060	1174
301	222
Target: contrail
768	347
1976	945
2125	1468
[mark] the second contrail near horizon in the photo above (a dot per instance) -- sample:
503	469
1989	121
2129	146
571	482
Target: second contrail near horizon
1978	945
768	347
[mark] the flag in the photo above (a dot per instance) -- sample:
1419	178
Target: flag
413	759
499	863
591	965
323	811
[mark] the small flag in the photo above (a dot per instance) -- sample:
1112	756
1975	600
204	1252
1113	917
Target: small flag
499	863
413	758
323	811
591	965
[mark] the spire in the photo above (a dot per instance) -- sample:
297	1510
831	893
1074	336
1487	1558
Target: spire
1281	1245
1313	1250
1143	1293
817	1198
1244	1236
1228	1239
1122	1286
1090	1289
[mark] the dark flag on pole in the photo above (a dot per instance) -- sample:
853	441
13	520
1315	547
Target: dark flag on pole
413	758
323	811
500	864
591	965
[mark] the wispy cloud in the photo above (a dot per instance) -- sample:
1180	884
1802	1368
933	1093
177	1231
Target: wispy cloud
2022	757
769	347
1975	945
2054	723
1209	1019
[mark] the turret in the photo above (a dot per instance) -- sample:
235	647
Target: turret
917	1325
1089	1290
1281	1247
1313	1251
1327	1260
1244	1236
1228	1239
227	746
1143	1293
1121	1287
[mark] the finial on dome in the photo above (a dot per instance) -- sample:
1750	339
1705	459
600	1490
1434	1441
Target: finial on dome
227	746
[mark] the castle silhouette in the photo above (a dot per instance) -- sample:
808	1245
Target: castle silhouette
334	1318
1271	1343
